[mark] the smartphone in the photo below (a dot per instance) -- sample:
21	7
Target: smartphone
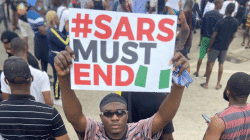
204	115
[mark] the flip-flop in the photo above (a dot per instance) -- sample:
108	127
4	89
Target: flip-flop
247	47
243	44
219	87
202	85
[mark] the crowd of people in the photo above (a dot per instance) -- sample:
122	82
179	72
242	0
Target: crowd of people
26	105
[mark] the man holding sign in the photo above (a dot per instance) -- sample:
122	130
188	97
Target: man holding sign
113	108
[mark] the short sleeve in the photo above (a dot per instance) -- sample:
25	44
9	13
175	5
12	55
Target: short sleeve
144	127
57	129
4	87
93	129
45	84
153	3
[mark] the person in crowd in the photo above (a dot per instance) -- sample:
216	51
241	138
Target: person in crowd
57	42
19	8
208	23
246	34
114	114
40	87
33	120
197	14
63	15
2	15
6	38
97	5
225	4
8	3
124	6
153	6
202	5
37	23
242	11
222	37
209	6
188	14
84	4
233	122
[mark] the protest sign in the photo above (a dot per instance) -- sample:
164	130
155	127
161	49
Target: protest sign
174	4
121	51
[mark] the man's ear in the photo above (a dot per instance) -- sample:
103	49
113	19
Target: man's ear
32	78
6	81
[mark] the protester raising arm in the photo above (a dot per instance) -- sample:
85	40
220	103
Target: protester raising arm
71	105
171	104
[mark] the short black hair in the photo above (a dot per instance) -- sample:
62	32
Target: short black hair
216	2
239	85
230	8
7	36
18	45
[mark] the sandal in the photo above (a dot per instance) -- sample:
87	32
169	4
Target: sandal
242	44
203	85
247	47
218	88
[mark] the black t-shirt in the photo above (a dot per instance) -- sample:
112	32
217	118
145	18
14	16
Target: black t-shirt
143	105
208	23
225	29
31	60
14	5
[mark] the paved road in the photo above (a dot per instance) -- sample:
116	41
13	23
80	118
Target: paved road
188	123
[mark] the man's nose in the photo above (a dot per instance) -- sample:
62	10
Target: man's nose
115	117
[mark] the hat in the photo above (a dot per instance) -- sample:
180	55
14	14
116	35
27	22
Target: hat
112	97
16	67
32	2
239	84
7	36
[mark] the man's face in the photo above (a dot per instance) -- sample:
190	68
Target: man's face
7	47
220	4
115	125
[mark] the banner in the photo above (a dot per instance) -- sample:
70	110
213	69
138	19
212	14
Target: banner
121	51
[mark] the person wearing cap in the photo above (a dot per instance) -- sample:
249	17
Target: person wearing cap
21	116
113	108
234	121
6	38
36	21
57	42
40	87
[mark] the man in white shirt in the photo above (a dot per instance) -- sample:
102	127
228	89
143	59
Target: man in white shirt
63	14
40	87
224	6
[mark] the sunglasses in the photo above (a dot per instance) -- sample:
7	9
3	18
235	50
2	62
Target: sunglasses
118	113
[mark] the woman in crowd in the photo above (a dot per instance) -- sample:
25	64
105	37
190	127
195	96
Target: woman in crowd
57	42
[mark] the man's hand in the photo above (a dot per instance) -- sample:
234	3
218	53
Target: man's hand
180	60
180	4
63	61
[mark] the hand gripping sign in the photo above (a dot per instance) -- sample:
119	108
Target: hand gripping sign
121	51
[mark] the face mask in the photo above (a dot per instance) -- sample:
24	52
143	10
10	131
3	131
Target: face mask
225	95
38	8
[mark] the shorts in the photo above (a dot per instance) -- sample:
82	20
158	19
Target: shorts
25	29
143	105
205	42
214	54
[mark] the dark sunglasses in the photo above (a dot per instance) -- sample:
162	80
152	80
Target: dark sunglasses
118	113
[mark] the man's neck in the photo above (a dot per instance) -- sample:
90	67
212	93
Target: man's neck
216	9
228	15
237	103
